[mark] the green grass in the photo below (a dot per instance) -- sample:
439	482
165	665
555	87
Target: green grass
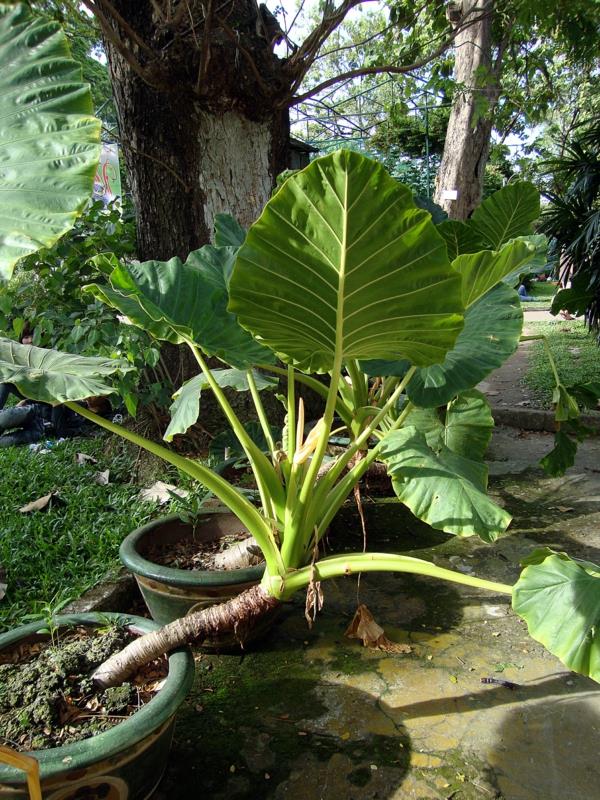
576	354
51	557
543	294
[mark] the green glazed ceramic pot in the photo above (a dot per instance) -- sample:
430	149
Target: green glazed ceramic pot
123	763
171	593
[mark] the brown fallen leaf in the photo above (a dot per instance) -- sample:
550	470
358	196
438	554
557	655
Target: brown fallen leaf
43	503
161	492
364	627
102	478
83	458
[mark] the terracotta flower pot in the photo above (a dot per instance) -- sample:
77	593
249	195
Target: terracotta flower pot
171	593
125	762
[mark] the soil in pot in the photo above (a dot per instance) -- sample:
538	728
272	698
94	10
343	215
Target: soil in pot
47	698
194	553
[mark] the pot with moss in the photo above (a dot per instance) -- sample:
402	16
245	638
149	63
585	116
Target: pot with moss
183	566
123	761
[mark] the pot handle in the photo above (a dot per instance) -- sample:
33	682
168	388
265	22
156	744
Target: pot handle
30	767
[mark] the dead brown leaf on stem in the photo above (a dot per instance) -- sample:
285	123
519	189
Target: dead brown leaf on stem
364	627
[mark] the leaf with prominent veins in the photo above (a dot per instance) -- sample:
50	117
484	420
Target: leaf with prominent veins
341	264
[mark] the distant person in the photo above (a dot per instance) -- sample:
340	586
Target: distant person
523	296
31	421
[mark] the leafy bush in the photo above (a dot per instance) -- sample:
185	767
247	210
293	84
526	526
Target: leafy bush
45	296
572	220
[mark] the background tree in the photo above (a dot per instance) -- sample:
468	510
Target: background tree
203	100
505	55
572	220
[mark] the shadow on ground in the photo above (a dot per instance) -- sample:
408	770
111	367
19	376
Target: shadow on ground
309	714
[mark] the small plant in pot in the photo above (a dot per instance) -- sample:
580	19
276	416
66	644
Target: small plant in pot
341	276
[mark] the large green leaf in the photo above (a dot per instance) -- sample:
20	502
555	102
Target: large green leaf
508	213
341	263
464	426
228	231
186	408
459	238
562	455
444	489
49	142
491	334
54	377
559	599
482	271
537	263
577	298
128	304
185	300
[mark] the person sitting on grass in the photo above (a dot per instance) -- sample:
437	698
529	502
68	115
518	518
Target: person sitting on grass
30	421
523	296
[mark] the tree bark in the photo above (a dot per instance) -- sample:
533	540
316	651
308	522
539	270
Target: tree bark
467	144
195	148
188	158
238	615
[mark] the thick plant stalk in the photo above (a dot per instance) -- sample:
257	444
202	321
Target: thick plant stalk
238	615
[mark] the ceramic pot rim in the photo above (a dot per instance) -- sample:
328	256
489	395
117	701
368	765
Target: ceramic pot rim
139	565
126	733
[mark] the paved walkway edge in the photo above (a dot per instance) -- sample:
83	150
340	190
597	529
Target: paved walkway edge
537	419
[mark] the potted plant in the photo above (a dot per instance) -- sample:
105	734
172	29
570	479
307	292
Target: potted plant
173	587
128	759
341	275
50	148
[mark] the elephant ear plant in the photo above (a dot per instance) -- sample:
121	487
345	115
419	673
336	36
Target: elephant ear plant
341	276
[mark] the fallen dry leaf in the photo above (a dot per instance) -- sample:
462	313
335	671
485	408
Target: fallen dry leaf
102	478
43	503
83	458
160	492
364	627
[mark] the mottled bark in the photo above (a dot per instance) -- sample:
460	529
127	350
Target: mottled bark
238	616
467	144
193	148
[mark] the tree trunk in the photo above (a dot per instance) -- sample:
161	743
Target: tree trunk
459	182
185	164
238	615
193	151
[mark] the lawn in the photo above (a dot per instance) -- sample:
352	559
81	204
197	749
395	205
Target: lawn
543	294
51	557
576	353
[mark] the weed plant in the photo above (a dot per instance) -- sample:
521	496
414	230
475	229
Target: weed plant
53	556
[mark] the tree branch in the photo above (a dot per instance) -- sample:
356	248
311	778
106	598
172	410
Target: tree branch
205	49
390	69
232	35
354	45
110	34
305	55
126	27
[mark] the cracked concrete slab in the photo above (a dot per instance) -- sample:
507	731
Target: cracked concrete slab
308	714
